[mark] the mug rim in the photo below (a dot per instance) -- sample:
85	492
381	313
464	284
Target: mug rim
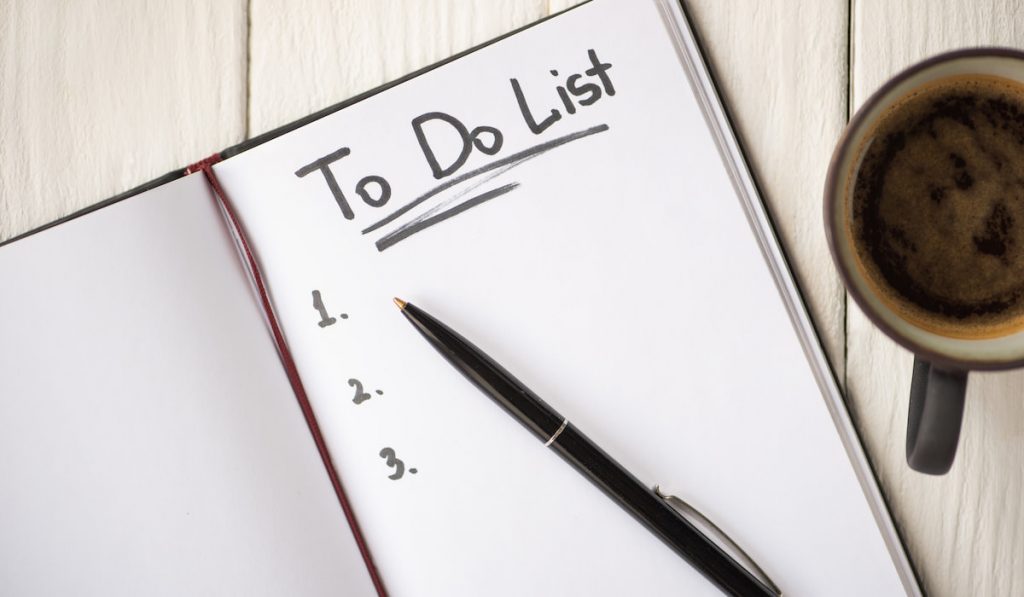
832	197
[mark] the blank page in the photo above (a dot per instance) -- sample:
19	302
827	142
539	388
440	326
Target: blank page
600	253
150	443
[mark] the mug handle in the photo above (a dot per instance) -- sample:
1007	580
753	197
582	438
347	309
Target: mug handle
936	411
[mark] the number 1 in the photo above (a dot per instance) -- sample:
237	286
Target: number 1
318	304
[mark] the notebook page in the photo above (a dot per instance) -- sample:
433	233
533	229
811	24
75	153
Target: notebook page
604	259
150	443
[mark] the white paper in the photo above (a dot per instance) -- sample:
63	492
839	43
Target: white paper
619	279
150	443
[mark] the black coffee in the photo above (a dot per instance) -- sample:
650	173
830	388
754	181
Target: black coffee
938	206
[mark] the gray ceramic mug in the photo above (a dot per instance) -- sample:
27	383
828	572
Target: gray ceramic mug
941	362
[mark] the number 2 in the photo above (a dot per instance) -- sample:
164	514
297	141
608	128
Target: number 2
360	396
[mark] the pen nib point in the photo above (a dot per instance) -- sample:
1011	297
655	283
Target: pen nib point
401	304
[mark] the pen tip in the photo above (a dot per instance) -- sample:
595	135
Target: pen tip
401	304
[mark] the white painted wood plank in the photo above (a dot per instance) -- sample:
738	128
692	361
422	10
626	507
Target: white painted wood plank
965	530
309	54
96	99
782	67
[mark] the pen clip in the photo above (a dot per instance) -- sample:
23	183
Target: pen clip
737	552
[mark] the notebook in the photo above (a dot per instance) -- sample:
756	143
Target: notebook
186	372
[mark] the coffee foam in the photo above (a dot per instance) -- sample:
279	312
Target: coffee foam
938	207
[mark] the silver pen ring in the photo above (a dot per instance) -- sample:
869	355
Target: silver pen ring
557	432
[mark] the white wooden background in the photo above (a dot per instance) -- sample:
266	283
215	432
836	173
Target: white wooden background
97	97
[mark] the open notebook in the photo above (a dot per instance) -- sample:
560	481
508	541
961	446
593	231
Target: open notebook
572	199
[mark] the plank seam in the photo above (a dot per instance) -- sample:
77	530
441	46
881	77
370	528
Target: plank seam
850	53
248	70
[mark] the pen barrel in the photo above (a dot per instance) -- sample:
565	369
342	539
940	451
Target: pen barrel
654	513
550	427
492	379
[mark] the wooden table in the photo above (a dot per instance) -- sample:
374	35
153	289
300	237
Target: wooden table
95	99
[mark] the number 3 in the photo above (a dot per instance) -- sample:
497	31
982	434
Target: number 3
393	462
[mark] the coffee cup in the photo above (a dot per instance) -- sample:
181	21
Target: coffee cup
924	214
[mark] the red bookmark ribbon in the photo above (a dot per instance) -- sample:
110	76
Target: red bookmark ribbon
251	265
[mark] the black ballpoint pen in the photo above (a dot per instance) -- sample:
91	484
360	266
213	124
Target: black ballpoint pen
555	431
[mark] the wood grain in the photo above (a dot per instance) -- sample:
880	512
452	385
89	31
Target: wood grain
95	100
310	54
965	530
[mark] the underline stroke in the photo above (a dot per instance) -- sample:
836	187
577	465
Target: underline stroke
512	160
